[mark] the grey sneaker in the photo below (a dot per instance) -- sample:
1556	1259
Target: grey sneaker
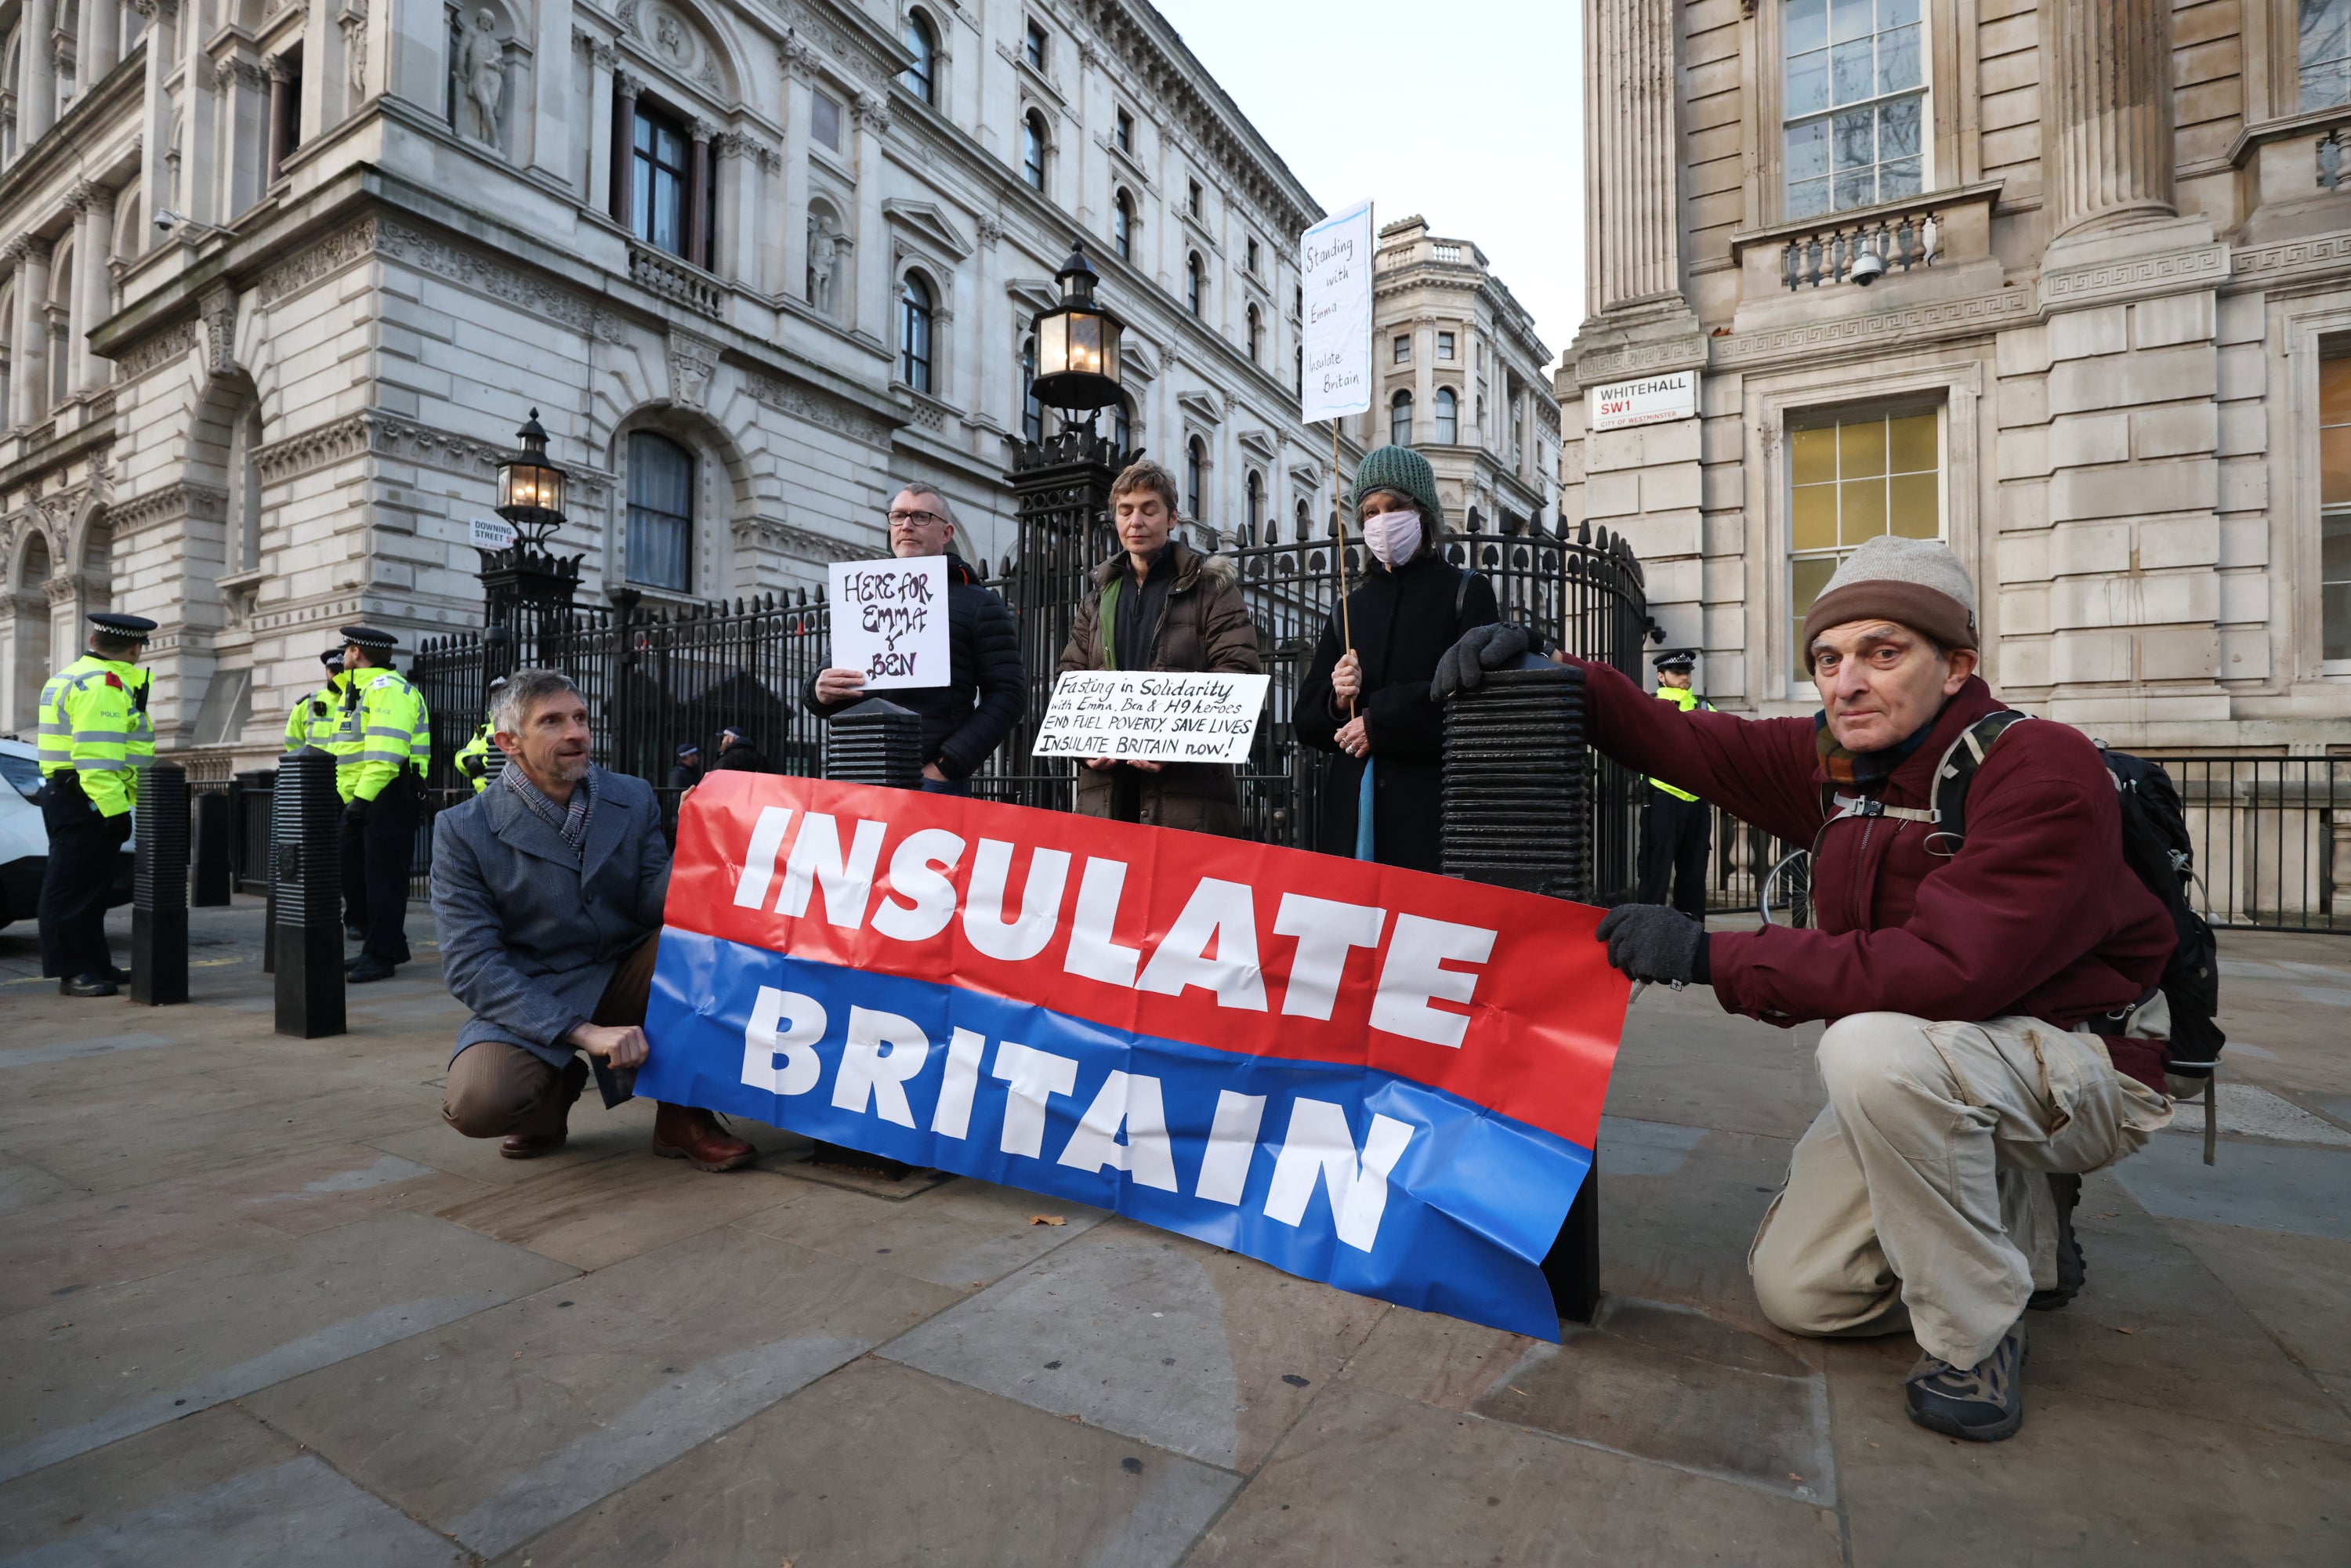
2072	1268
1980	1404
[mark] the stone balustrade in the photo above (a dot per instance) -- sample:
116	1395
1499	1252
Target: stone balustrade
673	278
1901	240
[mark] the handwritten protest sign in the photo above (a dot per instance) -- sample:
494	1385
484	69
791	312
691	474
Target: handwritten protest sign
889	620
1378	1078
1335	277
1133	713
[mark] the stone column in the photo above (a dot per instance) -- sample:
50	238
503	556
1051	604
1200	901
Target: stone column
93	282
543	121
281	96
796	60
29	374
993	387
625	88
698	196
1423	378
601	102
36	90
872	254
98	47
2109	101
1633	219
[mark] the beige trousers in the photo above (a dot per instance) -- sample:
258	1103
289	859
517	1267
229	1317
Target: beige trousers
1918	1198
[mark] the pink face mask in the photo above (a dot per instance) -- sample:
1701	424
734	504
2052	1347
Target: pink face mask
1392	537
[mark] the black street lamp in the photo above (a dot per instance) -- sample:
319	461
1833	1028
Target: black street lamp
531	491
531	488
1078	343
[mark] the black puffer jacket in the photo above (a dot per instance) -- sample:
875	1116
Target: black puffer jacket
968	718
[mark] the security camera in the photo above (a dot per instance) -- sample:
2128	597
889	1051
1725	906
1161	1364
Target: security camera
1867	268
167	220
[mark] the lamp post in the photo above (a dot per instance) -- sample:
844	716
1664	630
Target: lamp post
531	491
1063	485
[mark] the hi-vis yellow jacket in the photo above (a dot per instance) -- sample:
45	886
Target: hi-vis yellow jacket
94	725
391	727
315	718
1684	699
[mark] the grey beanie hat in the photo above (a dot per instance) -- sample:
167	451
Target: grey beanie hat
1918	583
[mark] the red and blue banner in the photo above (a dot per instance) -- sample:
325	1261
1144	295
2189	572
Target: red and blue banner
1381	1079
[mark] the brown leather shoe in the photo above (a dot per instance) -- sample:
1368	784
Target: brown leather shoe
685	1132
527	1146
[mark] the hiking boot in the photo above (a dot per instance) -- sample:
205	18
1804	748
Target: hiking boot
2071	1268
87	986
1980	1404
369	967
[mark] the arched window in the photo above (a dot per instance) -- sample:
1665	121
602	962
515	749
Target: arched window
921	76
1256	334
1121	427
1032	412
1032	150
661	512
1304	520
1448	416
1195	461
1194	279
1256	502
1121	227
915	314
1400	420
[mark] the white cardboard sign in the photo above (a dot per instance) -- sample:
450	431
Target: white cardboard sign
1140	716
889	620
1651	399
1334	263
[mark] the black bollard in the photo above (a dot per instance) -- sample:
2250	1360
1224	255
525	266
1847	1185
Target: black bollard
305	879
159	888
876	742
214	874
1515	815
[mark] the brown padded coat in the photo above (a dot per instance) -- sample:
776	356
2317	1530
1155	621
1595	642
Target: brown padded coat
1206	627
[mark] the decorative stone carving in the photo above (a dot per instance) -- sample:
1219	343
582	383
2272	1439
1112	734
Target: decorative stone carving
329	256
176	502
828	250
217	310
173	344
847	419
871	110
352	20
768	533
481	68
692	362
494	279
1973	316
990	230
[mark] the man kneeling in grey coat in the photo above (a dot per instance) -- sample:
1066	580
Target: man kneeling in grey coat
547	889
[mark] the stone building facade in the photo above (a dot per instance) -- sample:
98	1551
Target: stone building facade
282	276
1462	378
2105	359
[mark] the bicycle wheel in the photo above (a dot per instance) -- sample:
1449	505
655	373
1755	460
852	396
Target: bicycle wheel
1787	897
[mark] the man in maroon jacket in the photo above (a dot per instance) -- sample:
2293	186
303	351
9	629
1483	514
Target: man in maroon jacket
1993	1020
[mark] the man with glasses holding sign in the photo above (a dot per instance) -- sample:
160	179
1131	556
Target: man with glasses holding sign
968	716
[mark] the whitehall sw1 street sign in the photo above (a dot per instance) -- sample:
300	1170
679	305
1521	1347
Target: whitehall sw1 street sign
1651	399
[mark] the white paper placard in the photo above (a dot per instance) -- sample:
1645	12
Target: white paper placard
1651	399
889	620
493	533
1335	272
1138	714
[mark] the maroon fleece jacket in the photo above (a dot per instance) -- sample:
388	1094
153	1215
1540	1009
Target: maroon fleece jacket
2037	915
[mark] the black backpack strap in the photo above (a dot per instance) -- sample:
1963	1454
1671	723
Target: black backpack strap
1947	797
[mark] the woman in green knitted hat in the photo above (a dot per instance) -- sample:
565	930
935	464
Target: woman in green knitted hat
1369	703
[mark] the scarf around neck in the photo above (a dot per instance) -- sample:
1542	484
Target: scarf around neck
1865	770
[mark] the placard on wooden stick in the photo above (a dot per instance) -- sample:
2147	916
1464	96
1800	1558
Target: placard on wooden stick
1138	715
889	620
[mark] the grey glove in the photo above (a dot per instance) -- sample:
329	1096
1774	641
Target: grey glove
1463	667
1652	942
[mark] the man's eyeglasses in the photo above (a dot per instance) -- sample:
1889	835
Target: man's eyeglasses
925	518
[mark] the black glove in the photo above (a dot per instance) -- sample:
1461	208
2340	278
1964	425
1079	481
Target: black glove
1463	667
355	813
1652	942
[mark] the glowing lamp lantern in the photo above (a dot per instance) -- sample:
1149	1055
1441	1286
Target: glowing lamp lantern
530	488
1078	343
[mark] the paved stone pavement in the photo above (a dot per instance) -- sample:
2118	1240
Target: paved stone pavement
261	1308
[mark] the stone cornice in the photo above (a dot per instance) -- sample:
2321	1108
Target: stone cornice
852	420
2318	253
176	502
173	342
800	542
1972	315
373	433
2164	272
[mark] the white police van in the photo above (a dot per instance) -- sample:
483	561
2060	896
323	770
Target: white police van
24	841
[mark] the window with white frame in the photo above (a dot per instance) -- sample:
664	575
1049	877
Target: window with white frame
2324	53
917	313
661	512
1400	420
1122	226
1032	150
1124	135
1032	412
1853	105
1400	352
1445	345
922	74
1448	416
1034	44
1195	275
825	122
1256	335
2335	513
1195	462
1852	474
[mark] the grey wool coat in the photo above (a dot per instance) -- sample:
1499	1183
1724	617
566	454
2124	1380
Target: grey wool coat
530	936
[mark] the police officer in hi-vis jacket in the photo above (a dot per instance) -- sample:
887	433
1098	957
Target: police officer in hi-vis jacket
95	736
314	717
382	746
1677	829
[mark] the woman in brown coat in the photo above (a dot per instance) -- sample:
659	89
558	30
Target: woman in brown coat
1176	609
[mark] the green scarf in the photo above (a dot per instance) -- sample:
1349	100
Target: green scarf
1109	618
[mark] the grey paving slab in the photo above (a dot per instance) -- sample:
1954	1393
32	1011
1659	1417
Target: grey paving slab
2155	1326
592	1215
24	1184
2274	1187
2086	1480
120	1140
1670	1384
885	1466
1678	1214
1684	1060
101	1365
1203	1352
215	1491
962	1234
81	1049
130	1234
500	1426
1366	1478
596	1134
1435	1360
2250	1110
2296	1287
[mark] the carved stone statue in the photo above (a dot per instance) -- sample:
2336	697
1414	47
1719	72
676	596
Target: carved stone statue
823	261
482	76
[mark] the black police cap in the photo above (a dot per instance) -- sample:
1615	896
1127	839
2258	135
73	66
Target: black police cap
127	628
1677	659
333	657
369	637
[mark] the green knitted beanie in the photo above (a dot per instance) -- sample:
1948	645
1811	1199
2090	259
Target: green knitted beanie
1404	471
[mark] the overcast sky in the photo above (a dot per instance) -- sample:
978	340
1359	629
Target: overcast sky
1467	111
